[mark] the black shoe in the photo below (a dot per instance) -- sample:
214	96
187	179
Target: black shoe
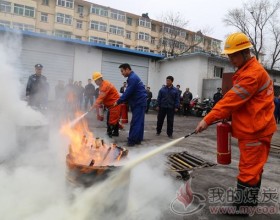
110	135
138	143
157	134
116	135
130	144
245	198
170	136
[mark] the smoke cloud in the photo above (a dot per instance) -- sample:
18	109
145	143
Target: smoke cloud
33	181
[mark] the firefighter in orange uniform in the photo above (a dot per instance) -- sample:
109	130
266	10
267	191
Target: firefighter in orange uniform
108	95
250	104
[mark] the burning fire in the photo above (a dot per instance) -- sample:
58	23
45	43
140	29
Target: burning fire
86	149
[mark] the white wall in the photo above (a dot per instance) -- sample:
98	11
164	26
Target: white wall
188	72
87	60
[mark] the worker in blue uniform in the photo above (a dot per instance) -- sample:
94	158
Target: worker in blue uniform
136	96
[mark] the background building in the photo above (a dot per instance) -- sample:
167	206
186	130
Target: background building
74	38
82	20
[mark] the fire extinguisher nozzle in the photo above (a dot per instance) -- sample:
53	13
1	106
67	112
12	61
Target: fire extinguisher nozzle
190	134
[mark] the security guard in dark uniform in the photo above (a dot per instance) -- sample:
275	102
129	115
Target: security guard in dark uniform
37	88
217	96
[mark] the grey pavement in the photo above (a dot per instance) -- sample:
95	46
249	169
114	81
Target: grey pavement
203	146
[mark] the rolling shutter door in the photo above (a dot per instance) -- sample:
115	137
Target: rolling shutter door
111	62
56	57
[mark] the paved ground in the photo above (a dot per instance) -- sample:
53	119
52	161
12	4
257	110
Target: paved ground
203	146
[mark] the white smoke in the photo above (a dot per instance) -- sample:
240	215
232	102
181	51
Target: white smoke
33	182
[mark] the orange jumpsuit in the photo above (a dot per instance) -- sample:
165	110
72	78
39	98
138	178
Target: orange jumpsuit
108	95
250	104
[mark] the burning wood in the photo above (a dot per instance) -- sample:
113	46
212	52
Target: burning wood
87	152
96	153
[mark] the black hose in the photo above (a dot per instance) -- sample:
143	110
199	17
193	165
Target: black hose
215	122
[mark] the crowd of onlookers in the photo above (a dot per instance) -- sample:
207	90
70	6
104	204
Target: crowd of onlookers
74	96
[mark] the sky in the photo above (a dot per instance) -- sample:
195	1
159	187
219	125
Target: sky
201	14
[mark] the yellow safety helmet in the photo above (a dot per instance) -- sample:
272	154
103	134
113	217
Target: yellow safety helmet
96	75
236	42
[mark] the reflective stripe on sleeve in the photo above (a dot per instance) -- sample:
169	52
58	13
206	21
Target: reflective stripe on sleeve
265	85
240	91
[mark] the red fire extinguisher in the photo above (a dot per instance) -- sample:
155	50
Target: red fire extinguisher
224	143
124	114
100	113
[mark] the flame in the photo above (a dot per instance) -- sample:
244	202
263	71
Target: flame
86	149
81	139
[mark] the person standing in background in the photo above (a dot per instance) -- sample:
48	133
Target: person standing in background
59	95
89	94
81	91
217	96
187	97
149	98
168	104
37	88
123	88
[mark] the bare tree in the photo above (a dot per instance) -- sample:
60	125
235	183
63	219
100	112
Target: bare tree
175	39
253	20
275	56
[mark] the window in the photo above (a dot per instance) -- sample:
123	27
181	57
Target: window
218	71
29	11
19	9
4	24
154	27
126	46
59	18
144	22
117	15
79	24
18	26
64	19
78	37
65	3
128	34
143	36
198	49
5	6
80	9
68	19
24	10
115	43
99	26
99	11
63	34
97	40
198	38
116	30
141	48
43	31
129	21
44	17
215	44
45	2
183	33
153	40
172	30
23	27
